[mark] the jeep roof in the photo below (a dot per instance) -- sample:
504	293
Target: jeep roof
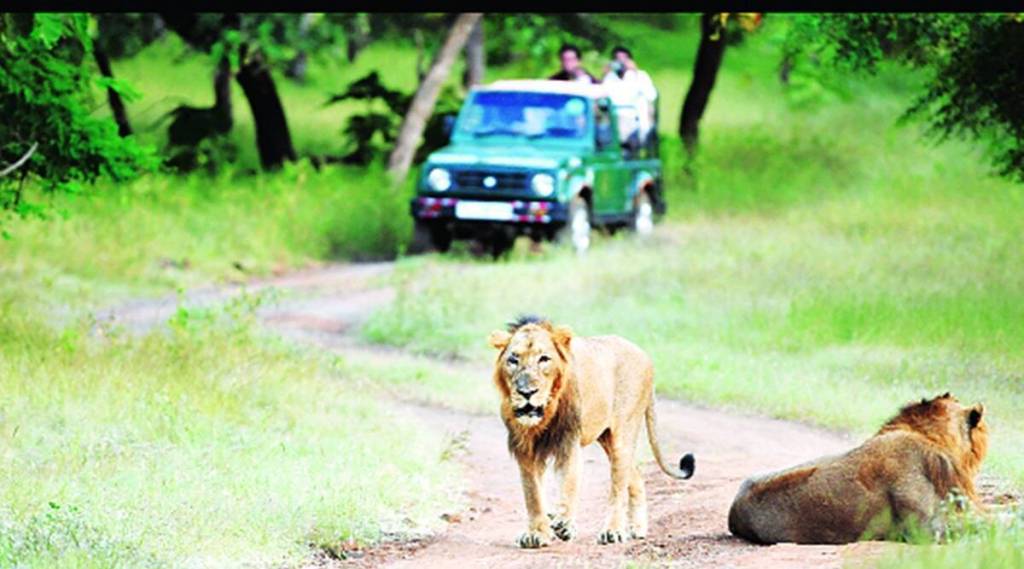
588	90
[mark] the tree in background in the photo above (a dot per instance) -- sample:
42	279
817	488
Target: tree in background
422	106
246	40
476	57
534	39
974	63
714	37
48	133
122	35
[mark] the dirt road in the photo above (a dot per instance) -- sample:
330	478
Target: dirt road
687	518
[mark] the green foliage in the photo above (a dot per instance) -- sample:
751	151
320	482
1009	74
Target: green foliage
167	231
978	544
45	88
124	34
973	62
538	37
372	133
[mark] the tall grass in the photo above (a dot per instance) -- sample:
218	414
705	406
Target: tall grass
207	446
164	231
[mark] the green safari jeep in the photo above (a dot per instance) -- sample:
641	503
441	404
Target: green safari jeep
537	158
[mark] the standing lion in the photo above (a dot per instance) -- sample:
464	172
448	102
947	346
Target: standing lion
562	392
894	481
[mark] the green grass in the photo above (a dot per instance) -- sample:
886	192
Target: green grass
205	446
163	232
979	544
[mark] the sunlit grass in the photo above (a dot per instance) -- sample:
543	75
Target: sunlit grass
162	232
207	446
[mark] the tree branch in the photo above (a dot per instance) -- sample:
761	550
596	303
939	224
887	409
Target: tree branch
20	161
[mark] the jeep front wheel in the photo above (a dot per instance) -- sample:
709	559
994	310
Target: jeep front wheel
427	236
576	231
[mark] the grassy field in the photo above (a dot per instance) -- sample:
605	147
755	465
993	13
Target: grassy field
820	264
206	446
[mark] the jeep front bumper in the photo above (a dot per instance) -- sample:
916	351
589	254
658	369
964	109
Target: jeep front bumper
501	211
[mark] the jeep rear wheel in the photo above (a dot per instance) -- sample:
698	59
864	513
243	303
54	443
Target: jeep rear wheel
643	215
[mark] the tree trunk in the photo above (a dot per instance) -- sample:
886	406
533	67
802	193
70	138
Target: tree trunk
476	57
222	96
358	31
297	66
272	137
785	68
423	102
417	37
124	128
705	70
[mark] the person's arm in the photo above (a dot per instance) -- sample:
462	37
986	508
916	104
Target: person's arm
647	86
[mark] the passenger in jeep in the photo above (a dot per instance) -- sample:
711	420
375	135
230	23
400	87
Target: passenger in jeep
634	96
571	68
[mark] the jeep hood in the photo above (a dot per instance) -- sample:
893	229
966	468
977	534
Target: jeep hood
515	156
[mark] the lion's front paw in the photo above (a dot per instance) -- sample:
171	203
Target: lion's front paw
611	536
564	529
533	540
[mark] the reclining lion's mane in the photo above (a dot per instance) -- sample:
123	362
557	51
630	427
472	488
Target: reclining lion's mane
952	466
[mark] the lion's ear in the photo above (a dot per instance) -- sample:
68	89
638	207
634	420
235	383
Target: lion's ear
974	417
499	339
562	336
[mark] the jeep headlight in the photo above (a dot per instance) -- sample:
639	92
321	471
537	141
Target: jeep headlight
543	184
439	179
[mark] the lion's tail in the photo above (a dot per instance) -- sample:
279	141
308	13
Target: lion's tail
686	464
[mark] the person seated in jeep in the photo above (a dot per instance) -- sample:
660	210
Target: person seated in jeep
571	68
633	94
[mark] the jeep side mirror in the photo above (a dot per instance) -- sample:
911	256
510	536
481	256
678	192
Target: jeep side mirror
449	124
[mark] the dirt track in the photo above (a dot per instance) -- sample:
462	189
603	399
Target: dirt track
687	518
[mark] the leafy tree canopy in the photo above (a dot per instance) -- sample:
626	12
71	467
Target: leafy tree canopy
48	134
976	84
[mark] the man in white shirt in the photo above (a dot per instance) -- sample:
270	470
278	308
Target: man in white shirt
633	93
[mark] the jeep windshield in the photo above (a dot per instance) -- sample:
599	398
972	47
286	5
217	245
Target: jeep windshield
524	114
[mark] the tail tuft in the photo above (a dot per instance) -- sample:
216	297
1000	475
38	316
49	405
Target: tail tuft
687	464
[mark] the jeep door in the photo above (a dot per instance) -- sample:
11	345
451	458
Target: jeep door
611	175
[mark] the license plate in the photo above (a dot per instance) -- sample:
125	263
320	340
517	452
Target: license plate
493	211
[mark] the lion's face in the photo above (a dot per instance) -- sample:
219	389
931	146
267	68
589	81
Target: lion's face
530	366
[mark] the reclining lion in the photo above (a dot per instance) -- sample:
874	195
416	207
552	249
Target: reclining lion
562	392
894	481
